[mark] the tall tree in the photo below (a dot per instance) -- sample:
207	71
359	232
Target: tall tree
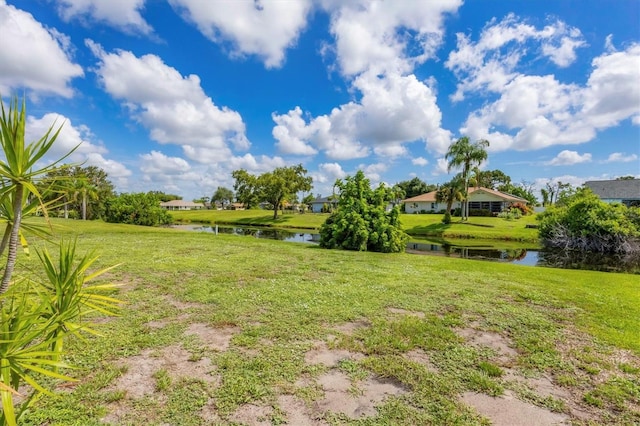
415	187
246	188
85	191
222	195
449	193
163	197
65	181
465	154
282	184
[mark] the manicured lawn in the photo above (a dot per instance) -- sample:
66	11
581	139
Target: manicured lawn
414	224
220	327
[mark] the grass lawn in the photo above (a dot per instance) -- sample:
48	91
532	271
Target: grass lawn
414	224
236	330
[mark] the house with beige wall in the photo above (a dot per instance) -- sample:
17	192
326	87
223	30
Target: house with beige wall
479	199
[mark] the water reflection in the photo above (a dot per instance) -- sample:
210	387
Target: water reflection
589	261
521	256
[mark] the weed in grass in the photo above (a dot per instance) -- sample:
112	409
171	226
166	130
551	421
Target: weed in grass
567	380
185	400
490	369
591	399
628	368
618	391
163	381
353	369
481	382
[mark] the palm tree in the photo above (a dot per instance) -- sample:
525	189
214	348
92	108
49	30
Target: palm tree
465	154
85	190
18	177
450	192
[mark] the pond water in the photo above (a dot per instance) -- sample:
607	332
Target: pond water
520	256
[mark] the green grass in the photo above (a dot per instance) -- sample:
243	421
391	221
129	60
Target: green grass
426	225
282	297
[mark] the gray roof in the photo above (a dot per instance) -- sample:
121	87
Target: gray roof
615	189
325	200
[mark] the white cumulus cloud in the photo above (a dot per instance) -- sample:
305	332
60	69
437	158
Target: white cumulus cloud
568	158
531	111
32	56
262	28
173	107
620	157
123	14
420	161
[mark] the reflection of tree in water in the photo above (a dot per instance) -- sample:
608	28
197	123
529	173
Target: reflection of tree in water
589	260
275	234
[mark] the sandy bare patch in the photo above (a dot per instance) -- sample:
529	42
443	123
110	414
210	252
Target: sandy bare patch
349	328
252	415
509	411
209	413
139	379
339	396
214	338
494	341
420	357
164	322
321	354
542	385
398	311
297	412
182	305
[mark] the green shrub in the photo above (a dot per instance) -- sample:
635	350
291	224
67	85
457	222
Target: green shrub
136	209
361	222
584	222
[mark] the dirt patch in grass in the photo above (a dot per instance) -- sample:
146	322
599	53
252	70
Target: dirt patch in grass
140	380
507	410
349	328
398	311
359	400
217	339
321	354
495	341
181	305
297	412
252	415
162	323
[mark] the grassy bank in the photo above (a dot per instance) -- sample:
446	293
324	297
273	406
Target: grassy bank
231	330
426	225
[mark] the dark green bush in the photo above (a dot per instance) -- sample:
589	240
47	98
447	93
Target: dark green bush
584	222
361	222
136	209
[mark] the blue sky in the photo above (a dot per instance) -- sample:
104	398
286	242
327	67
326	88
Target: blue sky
174	95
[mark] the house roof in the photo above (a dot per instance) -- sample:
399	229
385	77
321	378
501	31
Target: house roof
615	189
430	197
324	200
181	203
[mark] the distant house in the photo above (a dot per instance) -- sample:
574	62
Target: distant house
479	199
321	202
235	206
626	192
181	205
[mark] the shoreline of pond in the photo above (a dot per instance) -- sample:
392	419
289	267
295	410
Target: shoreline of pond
515	254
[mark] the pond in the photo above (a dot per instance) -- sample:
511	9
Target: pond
460	249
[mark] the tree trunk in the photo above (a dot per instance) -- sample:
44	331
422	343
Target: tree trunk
275	210
5	239
66	208
13	238
84	206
